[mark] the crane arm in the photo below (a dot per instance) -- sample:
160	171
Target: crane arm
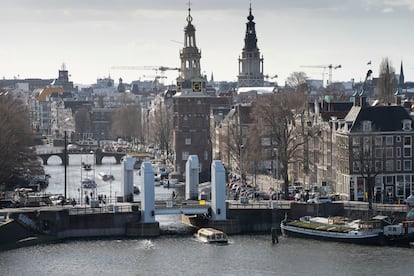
159	68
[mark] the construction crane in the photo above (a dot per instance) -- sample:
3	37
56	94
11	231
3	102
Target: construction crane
155	77
157	69
324	67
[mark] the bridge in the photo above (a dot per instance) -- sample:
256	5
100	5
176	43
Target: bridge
185	207
45	154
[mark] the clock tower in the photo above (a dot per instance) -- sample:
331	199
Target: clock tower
191	106
190	81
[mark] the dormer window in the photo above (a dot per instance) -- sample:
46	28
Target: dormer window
407	125
366	126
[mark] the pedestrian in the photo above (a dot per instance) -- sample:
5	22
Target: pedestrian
173	195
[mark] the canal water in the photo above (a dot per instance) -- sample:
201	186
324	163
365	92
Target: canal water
75	174
183	255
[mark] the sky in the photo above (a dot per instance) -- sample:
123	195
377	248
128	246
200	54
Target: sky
91	36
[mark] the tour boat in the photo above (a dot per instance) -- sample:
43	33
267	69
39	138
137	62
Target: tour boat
89	183
106	176
211	235
87	167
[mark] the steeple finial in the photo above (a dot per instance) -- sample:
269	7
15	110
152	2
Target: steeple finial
189	17
250	17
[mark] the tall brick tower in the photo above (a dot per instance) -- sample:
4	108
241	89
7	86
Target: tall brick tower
191	106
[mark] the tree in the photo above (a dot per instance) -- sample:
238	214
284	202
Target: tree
387	82
277	114
18	162
369	162
297	81
161	127
126	121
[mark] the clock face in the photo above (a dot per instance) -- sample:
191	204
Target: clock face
196	86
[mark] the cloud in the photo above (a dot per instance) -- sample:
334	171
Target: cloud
391	6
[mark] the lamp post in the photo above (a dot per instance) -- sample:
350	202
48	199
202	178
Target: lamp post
65	161
275	173
241	162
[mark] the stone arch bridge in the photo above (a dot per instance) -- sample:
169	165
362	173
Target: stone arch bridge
99	155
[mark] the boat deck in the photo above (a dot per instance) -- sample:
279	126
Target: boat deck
321	227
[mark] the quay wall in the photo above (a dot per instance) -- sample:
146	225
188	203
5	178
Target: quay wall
253	220
61	222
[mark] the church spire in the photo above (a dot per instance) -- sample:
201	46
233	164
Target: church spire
401	79
250	40
251	61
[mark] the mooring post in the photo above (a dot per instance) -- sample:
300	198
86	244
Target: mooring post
275	238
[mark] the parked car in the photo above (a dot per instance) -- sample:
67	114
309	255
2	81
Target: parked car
320	199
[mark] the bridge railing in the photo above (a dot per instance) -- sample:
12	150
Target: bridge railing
121	208
180	204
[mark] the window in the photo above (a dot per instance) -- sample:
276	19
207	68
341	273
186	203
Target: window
378	153
406	124
356	166
355	141
398	152
185	155
367	141
366	126
407	165
378	140
389	140
398	165
188	141
378	166
389	165
407	140
265	141
407	152
389	153
398	139
400	185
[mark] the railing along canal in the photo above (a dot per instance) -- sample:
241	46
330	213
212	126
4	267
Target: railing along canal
260	204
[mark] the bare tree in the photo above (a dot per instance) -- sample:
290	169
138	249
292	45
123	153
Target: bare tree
369	162
18	161
161	127
126	121
278	114
297	81
255	153
387	82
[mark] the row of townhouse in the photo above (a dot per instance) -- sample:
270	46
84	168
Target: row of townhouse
369	143
331	158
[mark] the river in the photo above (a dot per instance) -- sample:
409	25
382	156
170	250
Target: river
75	173
183	255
